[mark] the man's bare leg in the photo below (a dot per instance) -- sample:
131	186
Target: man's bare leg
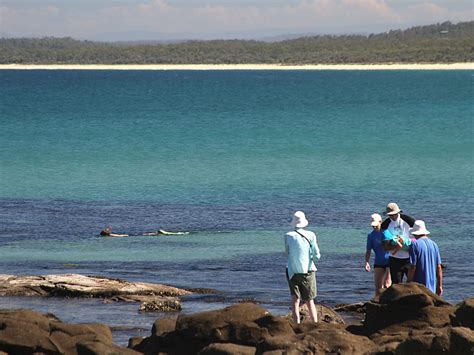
295	309
313	314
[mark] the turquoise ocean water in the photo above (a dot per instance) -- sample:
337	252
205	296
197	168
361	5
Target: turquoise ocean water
227	155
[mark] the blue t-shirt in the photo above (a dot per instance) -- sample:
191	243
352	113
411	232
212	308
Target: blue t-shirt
424	254
374	242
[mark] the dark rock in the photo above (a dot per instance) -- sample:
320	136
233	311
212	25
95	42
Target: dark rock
98	348
135	342
275	325
407	306
412	293
462	341
326	339
161	306
30	332
227	349
163	325
464	314
248	328
408	319
234	324
354	307
426	341
207	324
325	314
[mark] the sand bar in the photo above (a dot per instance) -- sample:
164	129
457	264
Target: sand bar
394	66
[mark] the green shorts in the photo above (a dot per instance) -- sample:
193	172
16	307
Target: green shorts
303	286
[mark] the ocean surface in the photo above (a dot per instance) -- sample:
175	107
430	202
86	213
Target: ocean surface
227	156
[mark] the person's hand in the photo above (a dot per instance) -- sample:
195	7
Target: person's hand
400	241
367	266
439	290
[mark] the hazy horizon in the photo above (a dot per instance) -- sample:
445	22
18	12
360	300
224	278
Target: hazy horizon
171	20
270	36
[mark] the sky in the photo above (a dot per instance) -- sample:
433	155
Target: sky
115	20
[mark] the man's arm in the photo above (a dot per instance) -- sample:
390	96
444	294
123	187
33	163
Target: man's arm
439	280
385	224
413	261
411	273
409	219
316	252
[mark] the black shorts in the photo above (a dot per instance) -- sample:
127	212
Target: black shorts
377	266
398	269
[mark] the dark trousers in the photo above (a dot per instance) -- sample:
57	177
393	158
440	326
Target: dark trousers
398	268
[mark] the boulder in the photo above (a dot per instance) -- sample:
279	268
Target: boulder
325	314
464	314
462	341
163	325
410	306
28	332
424	341
160	306
247	329
408	319
317	339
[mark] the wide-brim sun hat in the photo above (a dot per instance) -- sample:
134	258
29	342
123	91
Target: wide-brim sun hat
419	228
376	219
299	220
392	209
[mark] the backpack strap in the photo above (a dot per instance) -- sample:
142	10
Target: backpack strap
304	237
310	249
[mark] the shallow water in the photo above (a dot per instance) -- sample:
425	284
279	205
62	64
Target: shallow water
228	156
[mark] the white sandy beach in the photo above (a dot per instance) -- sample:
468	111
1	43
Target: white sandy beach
395	66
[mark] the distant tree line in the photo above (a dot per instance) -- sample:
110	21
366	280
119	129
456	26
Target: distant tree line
438	43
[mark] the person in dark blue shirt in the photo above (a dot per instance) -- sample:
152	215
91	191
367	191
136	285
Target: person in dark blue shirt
382	277
425	261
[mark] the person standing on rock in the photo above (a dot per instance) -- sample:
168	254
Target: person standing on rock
302	251
425	261
374	242
397	224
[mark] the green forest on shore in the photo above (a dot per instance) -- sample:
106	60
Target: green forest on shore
438	43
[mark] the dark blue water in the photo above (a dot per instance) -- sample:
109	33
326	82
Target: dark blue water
227	155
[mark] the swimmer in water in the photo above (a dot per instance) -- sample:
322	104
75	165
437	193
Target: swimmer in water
107	232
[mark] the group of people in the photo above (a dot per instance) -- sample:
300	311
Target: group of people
402	249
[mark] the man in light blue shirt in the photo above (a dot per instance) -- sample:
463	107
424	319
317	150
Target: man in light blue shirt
302	251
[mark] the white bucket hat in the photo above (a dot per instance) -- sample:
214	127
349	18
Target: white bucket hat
419	228
299	220
376	219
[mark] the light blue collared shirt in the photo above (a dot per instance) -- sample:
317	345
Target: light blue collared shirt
302	256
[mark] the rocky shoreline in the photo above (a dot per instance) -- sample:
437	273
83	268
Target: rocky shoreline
405	319
152	297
